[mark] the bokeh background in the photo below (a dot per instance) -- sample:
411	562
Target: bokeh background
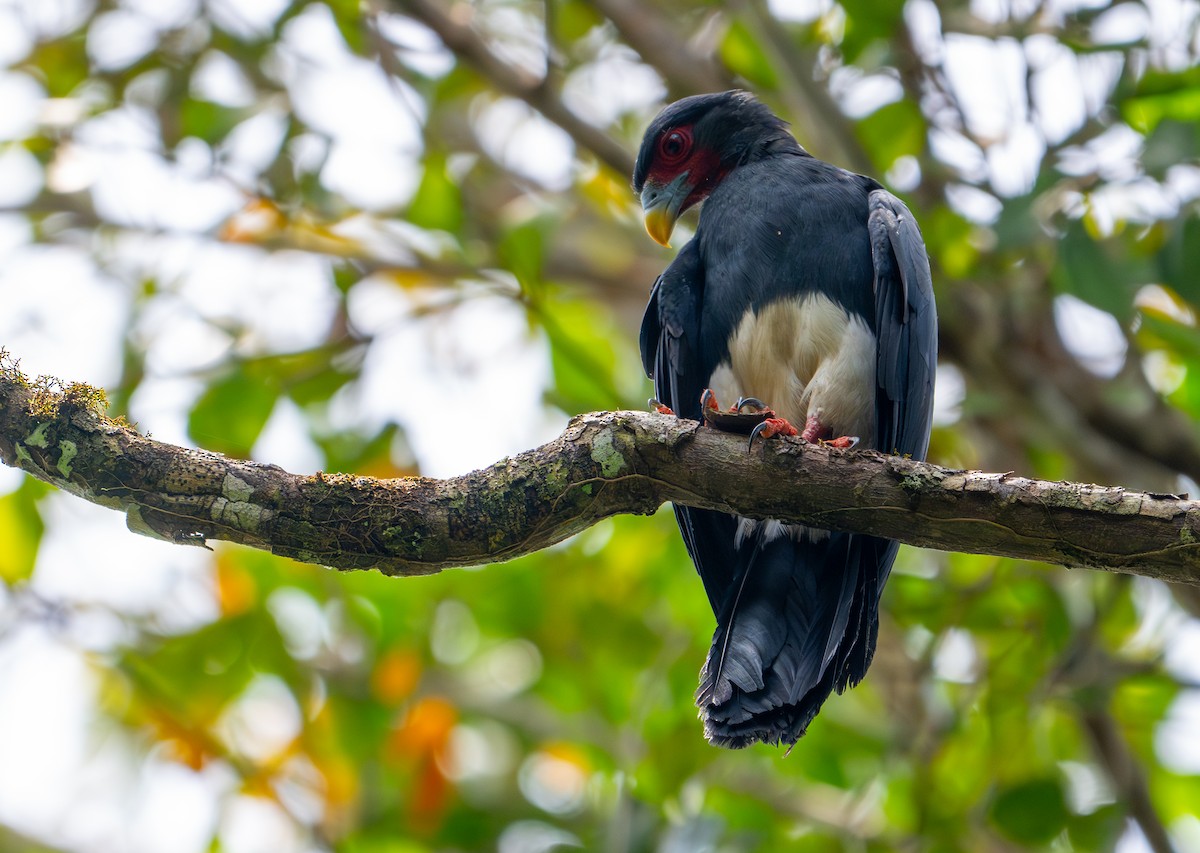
397	236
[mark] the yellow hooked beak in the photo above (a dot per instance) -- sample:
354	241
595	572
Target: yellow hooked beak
659	224
661	206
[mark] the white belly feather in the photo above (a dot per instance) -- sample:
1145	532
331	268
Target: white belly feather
804	356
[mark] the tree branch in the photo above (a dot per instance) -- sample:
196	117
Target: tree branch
466	43
685	69
602	465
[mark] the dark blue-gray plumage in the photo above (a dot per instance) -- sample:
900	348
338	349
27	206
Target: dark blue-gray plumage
808	287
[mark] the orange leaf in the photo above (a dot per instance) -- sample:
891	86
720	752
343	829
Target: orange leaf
426	729
396	676
432	793
236	590
423	737
259	220
189	745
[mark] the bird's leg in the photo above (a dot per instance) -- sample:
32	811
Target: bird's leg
814	430
656	406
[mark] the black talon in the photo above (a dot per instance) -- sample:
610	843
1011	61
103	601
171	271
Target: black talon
742	402
754	433
705	397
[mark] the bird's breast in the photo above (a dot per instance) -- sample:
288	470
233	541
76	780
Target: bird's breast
804	355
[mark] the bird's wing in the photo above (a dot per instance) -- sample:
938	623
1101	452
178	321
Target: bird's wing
670	331
671	356
905	328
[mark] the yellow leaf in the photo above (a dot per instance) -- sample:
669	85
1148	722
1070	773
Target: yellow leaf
236	590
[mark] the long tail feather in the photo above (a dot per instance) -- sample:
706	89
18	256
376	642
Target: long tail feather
800	622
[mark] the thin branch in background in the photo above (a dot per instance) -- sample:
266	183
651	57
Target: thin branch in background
1128	777
384	51
465	42
831	136
686	70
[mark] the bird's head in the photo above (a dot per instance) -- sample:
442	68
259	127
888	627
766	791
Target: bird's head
692	145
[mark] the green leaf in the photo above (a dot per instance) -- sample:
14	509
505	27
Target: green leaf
21	531
347	14
383	843
948	236
742	54
1157	331
893	131
573	19
1159	96
1179	257
1104	272
1175	795
520	250
1171	143
438	201
1187	395
583	356
869	21
1033	812
1145	113
1098	830
62	65
1142	700
229	416
310	376
364	454
1018	225
207	120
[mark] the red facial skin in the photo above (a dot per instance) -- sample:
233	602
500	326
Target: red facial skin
704	164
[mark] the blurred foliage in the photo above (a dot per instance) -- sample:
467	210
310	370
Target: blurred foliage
548	702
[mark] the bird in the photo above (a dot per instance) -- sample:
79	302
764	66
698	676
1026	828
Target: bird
806	287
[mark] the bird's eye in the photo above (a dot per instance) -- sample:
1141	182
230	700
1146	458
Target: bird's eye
674	146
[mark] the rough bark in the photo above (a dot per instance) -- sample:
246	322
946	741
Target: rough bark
603	464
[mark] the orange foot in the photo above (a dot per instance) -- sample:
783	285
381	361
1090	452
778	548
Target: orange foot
656	406
814	431
770	428
843	442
